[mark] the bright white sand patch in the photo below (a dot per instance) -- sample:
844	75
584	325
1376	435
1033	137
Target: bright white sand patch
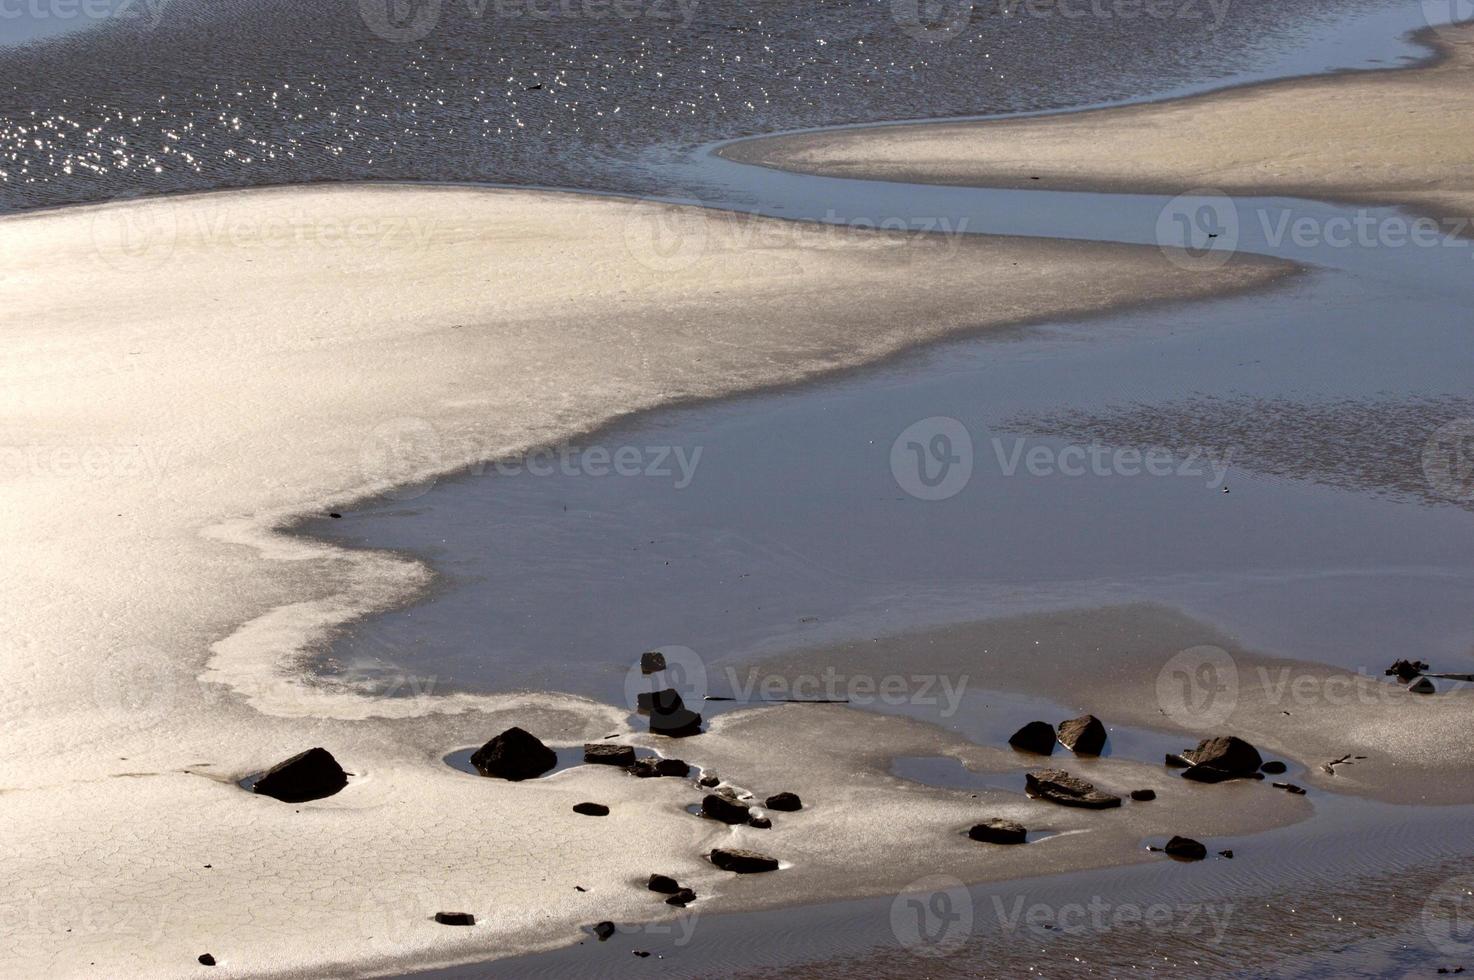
181	376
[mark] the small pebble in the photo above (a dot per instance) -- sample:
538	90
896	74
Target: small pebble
206	959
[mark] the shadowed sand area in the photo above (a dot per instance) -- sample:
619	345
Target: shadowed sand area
1382	137
182	376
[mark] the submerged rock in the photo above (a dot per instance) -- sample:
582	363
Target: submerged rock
310	775
664	884
786	802
455	918
742	862
1058	786
1037	737
1185	849
591	809
604	930
514	755
719	807
1274	767
999	831
608	754
1289	788
1406	670
649	768
1083	736
652	662
1229	753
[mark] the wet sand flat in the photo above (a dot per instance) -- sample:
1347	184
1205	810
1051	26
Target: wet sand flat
1395	137
233	361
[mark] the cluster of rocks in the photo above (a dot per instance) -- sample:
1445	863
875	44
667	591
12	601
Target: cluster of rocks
677	895
1083	736
725	806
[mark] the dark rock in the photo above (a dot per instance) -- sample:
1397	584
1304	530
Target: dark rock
1185	849
999	831
1289	788
1227	752
591	809
742	862
606	754
761	823
1058	786
515	755
1176	761
709	781
1226	854
721	808
455	918
206	959
643	954
310	775
1406	670
649	768
647	701
1422	686
785	802
1206	774
652	662
1274	767
1143	795
682	898
1037	737
1083	736
664	884
669	716
604	930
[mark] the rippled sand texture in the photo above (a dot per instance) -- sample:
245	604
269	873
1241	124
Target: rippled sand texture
1391	447
195	94
1380	138
179	376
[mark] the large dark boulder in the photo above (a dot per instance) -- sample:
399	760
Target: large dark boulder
787	802
1229	753
726	810
1083	736
608	754
999	831
1185	849
1058	786
310	775
669	716
1037	737
742	862
515	755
